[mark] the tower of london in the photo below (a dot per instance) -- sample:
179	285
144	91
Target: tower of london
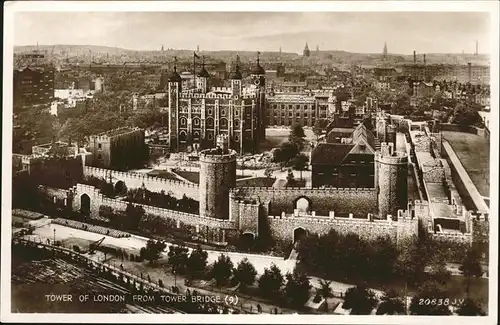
198	115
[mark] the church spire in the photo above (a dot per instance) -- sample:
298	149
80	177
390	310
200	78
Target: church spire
385	51
306	52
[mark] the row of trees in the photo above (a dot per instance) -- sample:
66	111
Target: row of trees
162	200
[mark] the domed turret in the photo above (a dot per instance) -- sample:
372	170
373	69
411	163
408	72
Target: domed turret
258	69
236	74
174	76
204	73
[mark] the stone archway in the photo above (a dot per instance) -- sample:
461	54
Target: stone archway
120	188
303	204
298	234
85	204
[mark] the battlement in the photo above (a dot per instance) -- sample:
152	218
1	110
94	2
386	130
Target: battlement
222	89
107	135
217	155
303	191
388	155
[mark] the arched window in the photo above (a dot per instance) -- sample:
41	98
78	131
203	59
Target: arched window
236	123
196	136
182	136
223	122
183	121
210	123
196	121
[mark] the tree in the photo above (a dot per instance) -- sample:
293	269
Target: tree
438	272
178	257
297	136
290	179
297	288
325	291
300	162
268	172
197	261
471	266
409	262
317	129
222	269
391	304
153	250
470	307
270	282
425	302
245	272
360	300
285	153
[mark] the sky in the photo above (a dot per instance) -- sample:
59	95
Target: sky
363	32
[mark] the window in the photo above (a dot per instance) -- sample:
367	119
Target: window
196	121
99	157
223	112
236	138
210	136
183	121
99	146
223	122
237	123
210	111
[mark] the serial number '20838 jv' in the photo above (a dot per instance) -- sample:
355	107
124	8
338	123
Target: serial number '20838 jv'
440	301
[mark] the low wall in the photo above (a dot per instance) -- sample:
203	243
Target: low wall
463	181
136	180
465	128
97	199
464	238
342	201
284	227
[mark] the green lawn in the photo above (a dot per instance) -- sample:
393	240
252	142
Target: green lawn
474	153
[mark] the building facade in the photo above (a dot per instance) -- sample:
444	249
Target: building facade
33	86
196	116
475	74
120	149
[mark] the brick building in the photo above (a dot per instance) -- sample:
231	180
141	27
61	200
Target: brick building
347	161
120	149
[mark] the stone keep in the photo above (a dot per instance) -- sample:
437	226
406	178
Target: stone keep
217	177
391	169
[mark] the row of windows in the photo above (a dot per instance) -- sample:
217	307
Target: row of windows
209	111
196	136
283	106
209	122
290	114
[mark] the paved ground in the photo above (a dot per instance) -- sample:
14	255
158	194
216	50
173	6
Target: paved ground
135	243
474	153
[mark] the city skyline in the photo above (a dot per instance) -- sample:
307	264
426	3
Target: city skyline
442	32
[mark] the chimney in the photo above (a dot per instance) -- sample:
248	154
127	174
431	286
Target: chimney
415	57
469	71
424	59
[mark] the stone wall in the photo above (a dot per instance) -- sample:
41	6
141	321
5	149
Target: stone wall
283	227
462	238
433	171
358	201
463	181
155	184
97	199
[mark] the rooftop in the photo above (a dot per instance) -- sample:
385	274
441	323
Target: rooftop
115	132
330	153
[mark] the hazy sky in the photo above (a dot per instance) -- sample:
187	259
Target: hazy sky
353	31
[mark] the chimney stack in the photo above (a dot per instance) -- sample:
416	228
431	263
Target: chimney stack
414	57
424	59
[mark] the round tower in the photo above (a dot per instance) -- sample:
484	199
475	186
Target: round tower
217	177
391	179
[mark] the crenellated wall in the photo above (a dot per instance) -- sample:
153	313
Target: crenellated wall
358	201
136	180
283	226
97	199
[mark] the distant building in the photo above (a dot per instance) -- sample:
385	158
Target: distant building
120	149
304	108
475	74
306	51
33	86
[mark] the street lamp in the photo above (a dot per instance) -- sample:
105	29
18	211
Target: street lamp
54	236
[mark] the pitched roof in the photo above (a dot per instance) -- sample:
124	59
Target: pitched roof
361	133
330	153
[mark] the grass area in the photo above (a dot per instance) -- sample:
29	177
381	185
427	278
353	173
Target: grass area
163	174
276	136
474	153
256	182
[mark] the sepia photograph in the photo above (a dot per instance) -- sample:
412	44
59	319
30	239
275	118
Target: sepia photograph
260	161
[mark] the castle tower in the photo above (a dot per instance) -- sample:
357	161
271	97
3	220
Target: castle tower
306	51
202	81
391	180
235	78
217	177
258	76
174	88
